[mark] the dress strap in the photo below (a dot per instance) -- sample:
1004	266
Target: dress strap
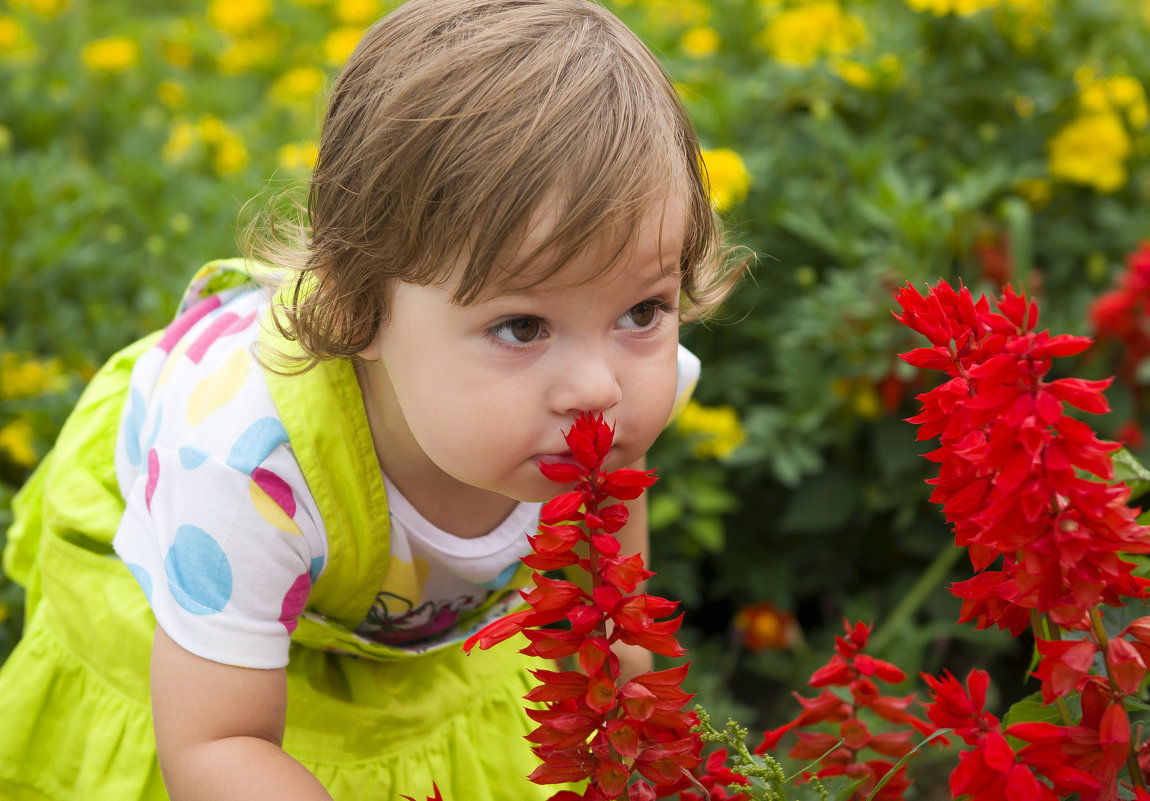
322	412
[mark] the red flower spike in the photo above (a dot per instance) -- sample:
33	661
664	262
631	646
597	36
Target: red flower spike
841	751
1009	458
590	728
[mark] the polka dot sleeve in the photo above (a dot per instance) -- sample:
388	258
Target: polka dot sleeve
219	529
225	565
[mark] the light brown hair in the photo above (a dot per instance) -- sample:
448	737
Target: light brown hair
451	124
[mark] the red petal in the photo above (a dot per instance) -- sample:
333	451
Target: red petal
497	631
562	508
562	472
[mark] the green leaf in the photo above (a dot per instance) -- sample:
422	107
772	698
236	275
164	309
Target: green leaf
1031	710
1131	471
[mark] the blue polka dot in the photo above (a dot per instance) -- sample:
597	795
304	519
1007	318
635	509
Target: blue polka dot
133	426
315	569
256	443
500	581
142	578
191	458
198	572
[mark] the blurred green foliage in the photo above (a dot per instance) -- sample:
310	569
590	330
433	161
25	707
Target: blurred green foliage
852	146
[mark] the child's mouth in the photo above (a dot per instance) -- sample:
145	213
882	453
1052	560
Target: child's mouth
557	458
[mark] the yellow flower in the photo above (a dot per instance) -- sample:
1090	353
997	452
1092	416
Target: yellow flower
114	54
27	377
340	43
172	94
227	150
940	8
210	128
11	33
353	12
855	74
238	16
210	137
229	154
727	177
1091	150
865	401
700	41
258	49
16	443
1120	93
297	155
800	35
717	428
964	8
181	139
297	86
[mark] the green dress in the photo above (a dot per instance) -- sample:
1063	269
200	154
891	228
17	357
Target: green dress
369	721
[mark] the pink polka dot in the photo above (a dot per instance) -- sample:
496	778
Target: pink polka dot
276	488
185	321
294	601
153	477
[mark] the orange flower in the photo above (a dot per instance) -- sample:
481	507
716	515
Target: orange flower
763	626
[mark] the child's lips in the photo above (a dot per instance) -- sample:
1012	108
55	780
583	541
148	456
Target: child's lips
557	458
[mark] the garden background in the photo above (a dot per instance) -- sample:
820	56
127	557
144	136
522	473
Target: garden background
851	146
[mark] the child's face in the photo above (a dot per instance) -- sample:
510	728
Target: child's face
481	394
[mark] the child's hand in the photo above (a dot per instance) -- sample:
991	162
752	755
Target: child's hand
219	730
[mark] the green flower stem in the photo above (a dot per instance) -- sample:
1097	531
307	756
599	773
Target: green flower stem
1046	629
915	597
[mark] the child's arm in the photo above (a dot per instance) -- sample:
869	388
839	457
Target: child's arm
219	730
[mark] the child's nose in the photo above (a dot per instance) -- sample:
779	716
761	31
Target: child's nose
587	384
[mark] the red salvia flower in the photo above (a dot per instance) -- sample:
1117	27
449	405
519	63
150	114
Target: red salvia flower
1027	489
991	770
856	674
627	739
1041	534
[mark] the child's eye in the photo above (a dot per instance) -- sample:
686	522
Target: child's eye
518	330
645	314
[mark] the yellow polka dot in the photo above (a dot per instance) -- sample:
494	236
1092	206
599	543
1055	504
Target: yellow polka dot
270	510
218	388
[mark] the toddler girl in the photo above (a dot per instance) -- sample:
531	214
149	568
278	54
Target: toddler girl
320	478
